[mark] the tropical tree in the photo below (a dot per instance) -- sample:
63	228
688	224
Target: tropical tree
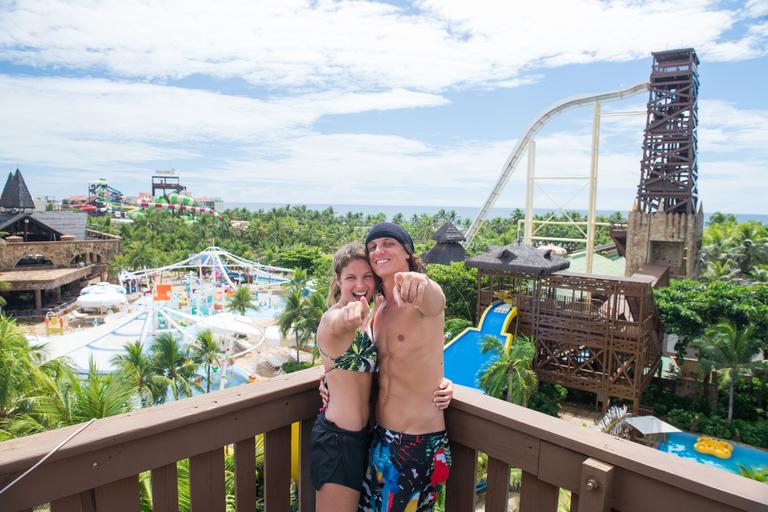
175	366
728	351
292	319
750	246
613	422
755	473
206	352
314	307
19	372
135	361
69	399
241	301
511	376
454	326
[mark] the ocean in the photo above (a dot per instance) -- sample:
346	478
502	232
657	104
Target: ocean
465	212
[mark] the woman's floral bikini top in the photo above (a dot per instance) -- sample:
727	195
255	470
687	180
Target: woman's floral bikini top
361	355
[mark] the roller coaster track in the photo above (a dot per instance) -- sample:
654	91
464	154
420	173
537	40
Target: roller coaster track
522	144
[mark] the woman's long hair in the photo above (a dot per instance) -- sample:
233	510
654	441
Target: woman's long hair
341	259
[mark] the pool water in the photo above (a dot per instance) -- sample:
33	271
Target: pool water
681	444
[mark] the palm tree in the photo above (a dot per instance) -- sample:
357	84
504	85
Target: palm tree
719	270
299	279
755	473
206	351
19	361
728	351
241	301
292	318
510	376
136	362
314	307
69	399
750	246
175	365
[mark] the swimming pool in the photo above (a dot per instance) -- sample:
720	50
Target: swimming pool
681	444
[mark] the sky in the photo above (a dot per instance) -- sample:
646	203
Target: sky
361	102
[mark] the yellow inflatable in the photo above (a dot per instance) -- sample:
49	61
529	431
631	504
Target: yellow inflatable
712	446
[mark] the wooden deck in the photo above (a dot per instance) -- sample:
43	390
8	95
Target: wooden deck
98	470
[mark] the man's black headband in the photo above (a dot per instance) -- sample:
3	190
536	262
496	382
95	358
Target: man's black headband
389	230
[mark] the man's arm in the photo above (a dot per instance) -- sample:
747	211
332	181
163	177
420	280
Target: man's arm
419	290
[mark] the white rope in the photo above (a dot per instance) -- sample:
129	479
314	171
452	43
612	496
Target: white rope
46	456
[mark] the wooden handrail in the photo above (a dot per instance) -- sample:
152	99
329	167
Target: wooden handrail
120	447
552	454
98	469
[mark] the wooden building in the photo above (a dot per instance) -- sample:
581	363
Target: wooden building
46	257
594	333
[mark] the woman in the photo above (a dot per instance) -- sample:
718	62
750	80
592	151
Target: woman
340	440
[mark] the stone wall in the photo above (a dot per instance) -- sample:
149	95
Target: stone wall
60	253
670	239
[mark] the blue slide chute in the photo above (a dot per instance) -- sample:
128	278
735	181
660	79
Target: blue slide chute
463	358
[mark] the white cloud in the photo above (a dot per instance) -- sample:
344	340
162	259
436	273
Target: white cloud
358	44
97	122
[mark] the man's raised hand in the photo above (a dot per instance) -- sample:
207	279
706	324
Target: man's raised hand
410	288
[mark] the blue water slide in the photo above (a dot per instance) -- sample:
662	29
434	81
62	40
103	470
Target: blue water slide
462	355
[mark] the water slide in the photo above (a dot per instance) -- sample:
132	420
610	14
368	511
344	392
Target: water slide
463	358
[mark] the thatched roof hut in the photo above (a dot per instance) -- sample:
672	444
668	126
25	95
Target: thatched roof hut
518	258
448	247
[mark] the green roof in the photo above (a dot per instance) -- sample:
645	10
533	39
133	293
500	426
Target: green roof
600	264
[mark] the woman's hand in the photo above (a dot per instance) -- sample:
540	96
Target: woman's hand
444	394
325	396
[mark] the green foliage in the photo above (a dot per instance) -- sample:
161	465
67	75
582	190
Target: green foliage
459	284
688	308
454	327
68	399
175	367
206	352
664	400
548	398
295	366
750	398
760	474
510	376
241	301
734	252
18	367
303	257
728	351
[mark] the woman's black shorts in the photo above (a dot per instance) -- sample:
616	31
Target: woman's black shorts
338	456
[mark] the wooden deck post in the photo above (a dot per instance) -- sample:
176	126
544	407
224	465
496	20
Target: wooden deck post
595	488
277	470
460	488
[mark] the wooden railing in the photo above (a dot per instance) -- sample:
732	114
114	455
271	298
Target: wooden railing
98	469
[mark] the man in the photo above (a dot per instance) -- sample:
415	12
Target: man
409	455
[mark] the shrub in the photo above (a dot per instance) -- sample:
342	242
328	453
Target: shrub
751	432
717	427
548	398
293	366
